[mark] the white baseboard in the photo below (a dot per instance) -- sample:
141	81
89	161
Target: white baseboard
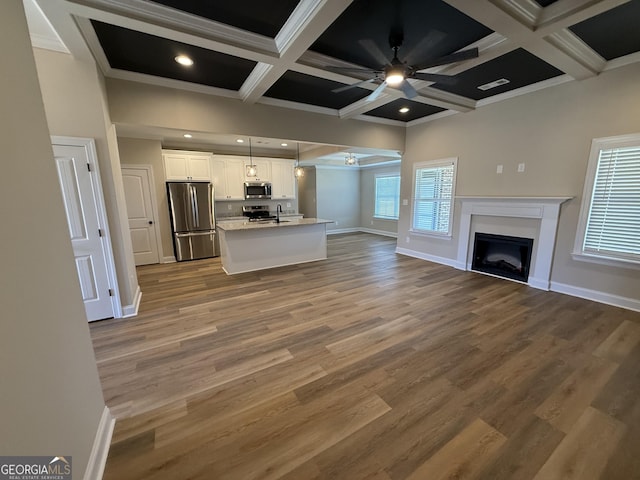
596	296
379	232
342	230
132	310
431	258
100	449
169	259
539	283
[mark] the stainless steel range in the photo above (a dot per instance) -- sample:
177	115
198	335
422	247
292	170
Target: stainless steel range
257	213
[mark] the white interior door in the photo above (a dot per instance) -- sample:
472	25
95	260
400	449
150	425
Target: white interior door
142	221
80	202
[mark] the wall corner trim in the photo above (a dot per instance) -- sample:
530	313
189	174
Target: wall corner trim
132	310
100	449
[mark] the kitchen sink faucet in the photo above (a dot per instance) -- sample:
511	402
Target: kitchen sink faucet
278	212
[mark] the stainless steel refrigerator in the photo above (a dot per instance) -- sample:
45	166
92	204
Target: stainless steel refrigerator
191	207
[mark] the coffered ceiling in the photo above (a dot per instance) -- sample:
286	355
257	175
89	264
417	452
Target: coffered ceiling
289	52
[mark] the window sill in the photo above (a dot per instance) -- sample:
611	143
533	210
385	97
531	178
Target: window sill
385	218
604	260
423	233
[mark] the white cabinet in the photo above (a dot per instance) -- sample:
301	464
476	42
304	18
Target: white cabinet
283	180
179	165
263	168
228	177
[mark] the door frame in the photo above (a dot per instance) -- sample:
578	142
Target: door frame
154	203
92	157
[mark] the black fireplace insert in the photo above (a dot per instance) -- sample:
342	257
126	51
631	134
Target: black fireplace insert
502	255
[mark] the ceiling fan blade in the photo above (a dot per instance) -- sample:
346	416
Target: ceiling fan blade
453	58
434	77
425	45
375	52
354	85
352	69
408	89
376	93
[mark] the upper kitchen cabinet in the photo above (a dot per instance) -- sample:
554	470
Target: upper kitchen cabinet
228	177
186	166
263	170
283	180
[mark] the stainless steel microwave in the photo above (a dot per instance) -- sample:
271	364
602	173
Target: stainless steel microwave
254	190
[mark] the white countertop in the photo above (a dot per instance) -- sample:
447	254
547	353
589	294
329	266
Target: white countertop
246	225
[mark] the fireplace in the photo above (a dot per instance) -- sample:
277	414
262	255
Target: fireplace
545	210
502	255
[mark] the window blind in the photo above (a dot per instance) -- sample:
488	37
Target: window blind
613	225
387	200
433	198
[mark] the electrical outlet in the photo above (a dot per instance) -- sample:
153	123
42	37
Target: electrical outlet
288	204
407	239
499	169
371	222
229	207
520	167
337	223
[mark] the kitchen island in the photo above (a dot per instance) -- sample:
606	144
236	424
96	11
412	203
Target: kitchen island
247	246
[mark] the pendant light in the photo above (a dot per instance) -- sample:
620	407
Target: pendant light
298	171
351	159
252	170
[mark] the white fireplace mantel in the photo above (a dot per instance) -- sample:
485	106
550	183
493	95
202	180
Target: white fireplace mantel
547	209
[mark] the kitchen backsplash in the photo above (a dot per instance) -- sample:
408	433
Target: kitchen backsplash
234	209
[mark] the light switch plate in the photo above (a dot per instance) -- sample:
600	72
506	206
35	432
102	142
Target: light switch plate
499	169
520	167
405	201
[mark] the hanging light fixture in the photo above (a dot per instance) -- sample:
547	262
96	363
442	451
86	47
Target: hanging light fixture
350	159
252	170
298	171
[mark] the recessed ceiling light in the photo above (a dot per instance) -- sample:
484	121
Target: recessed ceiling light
187	135
184	60
494	84
240	140
404	110
284	144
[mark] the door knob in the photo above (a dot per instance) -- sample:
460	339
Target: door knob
150	222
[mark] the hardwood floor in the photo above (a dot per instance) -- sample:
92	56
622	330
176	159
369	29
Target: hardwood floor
369	365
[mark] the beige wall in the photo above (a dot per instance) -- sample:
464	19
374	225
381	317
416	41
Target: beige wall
147	105
51	399
135	151
338	196
74	100
551	132
307	193
368	199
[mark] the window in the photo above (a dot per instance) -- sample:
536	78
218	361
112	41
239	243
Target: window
387	203
434	184
609	228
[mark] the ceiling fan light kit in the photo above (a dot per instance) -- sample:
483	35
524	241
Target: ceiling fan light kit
396	73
